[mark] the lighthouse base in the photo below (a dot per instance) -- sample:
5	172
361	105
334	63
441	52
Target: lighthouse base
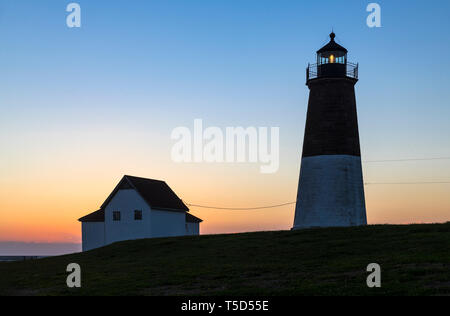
331	192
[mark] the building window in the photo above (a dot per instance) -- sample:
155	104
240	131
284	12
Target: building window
116	216
138	215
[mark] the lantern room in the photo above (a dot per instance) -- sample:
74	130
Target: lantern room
332	53
332	62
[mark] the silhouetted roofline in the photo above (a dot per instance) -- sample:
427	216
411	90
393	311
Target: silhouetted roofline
192	219
99	217
156	193
95	217
332	46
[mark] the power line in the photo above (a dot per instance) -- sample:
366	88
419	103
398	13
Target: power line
408	183
291	203
240	208
407	159
368	183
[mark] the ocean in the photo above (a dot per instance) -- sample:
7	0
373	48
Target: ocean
19	258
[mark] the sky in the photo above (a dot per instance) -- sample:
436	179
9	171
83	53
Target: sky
81	107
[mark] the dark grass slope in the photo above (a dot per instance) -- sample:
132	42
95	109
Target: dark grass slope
415	260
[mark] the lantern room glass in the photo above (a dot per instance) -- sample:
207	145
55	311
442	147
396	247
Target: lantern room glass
335	57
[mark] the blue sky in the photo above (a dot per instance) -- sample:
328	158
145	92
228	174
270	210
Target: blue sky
135	70
229	62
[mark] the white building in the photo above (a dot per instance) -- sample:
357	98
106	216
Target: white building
138	208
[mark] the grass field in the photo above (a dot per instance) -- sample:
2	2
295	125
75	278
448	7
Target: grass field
415	260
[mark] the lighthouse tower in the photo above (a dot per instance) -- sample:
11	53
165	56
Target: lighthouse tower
331	188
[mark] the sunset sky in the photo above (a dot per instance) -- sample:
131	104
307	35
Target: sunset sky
79	108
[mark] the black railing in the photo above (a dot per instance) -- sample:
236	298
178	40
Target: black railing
349	70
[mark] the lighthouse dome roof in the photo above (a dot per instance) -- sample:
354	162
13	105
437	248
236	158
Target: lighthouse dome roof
332	46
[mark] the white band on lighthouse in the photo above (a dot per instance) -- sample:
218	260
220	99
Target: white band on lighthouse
331	192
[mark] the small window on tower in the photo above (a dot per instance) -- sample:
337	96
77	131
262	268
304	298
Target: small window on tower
137	215
116	216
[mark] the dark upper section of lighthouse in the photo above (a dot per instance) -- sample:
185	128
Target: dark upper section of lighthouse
332	123
332	63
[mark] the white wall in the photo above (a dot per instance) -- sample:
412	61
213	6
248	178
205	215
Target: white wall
154	223
193	229
126	202
93	235
168	224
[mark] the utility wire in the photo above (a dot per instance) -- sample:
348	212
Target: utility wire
240	208
408	183
408	159
291	203
369	183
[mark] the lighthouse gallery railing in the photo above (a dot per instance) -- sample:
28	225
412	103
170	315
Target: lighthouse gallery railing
312	72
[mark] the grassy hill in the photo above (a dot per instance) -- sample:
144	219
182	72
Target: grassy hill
415	260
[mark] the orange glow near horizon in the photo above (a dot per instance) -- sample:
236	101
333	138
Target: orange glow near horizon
46	209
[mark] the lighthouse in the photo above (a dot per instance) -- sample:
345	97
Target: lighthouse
331	187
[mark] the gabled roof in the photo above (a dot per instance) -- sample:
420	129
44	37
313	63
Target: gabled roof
192	219
99	217
156	193
332	46
96	217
